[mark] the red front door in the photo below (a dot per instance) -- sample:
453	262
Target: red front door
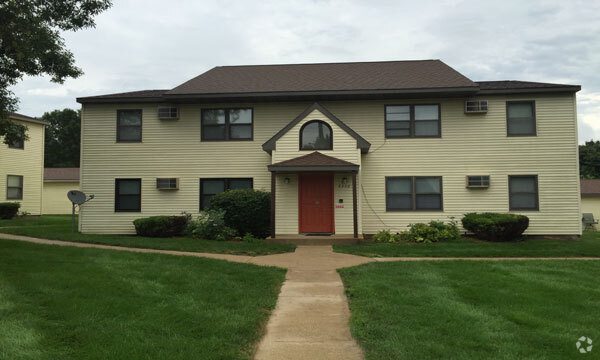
316	203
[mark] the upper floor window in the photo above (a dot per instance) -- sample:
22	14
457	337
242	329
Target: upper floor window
19	144
523	192
211	187
403	121
227	124
128	195
14	187
129	125
520	118
316	135
413	193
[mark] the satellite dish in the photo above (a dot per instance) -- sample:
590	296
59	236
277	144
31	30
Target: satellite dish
77	197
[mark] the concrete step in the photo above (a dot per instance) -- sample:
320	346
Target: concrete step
315	240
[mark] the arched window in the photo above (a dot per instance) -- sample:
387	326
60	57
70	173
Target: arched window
316	135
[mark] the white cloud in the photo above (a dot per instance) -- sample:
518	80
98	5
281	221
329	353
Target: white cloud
158	44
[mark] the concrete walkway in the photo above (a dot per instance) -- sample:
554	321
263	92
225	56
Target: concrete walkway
310	320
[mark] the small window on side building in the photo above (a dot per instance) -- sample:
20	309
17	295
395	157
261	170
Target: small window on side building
520	118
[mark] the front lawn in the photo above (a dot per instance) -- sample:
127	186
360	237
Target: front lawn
72	303
59	228
587	245
474	310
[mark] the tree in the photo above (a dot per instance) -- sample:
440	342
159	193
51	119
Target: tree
589	160
63	137
30	44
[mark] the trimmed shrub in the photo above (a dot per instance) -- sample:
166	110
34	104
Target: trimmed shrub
9	210
249	238
161	226
496	226
210	225
435	231
246	211
421	233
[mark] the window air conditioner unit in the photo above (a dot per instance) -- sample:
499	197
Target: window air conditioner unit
168	113
167	183
476	106
478	181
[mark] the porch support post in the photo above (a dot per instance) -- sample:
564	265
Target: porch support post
354	205
273	179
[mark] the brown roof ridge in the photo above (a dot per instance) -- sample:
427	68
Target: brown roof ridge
329	63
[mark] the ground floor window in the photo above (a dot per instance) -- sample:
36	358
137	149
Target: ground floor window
128	195
211	187
413	193
14	187
523	192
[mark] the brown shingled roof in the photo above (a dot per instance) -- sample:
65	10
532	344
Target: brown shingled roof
417	74
331	81
590	187
21	117
61	174
314	161
134	96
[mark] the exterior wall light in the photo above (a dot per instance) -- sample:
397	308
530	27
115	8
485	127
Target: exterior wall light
344	181
286	180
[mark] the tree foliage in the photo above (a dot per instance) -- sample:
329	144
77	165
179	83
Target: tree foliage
589	160
63	137
30	44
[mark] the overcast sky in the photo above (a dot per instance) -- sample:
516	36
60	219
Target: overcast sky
158	44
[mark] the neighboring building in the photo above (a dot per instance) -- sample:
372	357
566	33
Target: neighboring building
346	148
57	182
21	166
590	197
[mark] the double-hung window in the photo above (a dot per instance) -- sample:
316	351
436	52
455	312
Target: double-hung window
520	118
129	125
413	193
211	187
226	124
14	187
19	144
404	121
523	192
128	195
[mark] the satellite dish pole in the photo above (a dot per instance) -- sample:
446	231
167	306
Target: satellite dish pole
77	198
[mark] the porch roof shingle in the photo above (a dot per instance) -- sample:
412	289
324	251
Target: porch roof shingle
590	187
314	161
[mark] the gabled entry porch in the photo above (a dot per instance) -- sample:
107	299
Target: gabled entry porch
324	190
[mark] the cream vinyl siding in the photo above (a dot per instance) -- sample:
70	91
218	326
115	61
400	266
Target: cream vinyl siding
27	162
473	145
286	204
591	204
469	145
55	199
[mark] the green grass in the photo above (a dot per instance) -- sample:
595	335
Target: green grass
57	227
474	310
72	303
587	245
